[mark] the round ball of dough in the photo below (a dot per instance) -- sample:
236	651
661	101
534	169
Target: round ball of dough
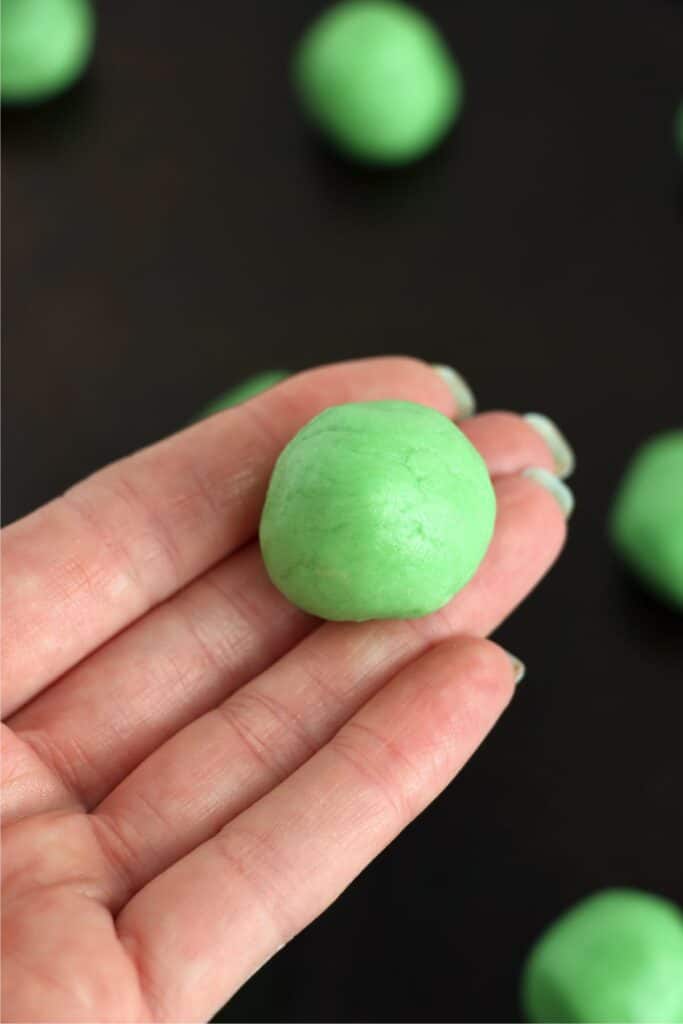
615	956
376	77
46	45
376	510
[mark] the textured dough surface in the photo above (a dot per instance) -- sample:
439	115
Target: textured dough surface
376	77
646	523
376	510
46	45
616	956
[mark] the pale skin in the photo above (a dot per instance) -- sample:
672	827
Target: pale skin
193	769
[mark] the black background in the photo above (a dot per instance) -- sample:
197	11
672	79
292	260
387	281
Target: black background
170	227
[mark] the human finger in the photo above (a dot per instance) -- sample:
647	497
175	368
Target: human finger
110	712
86	565
231	756
199	930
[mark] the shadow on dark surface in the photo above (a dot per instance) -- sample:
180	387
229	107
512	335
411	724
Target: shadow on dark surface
656	622
35	127
376	190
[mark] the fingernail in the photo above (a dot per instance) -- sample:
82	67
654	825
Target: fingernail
518	668
561	450
465	401
552	483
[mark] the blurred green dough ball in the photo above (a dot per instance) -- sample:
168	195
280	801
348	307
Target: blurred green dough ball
646	522
46	45
247	389
376	510
616	956
376	77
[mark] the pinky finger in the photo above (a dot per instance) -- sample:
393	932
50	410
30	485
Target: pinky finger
200	929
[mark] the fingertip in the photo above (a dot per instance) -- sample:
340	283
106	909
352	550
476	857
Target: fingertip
524	497
495	672
560	491
463	396
511	444
485	670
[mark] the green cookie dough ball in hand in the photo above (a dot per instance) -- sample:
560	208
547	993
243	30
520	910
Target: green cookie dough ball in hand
376	77
247	389
46	45
376	510
615	957
646	522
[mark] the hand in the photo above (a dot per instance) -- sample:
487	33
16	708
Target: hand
193	768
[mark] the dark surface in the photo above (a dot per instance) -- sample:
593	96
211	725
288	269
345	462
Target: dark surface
169	227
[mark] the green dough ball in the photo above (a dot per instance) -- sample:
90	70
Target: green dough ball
376	510
646	522
46	45
615	957
247	389
376	77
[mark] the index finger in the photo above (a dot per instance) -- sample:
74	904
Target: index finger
89	563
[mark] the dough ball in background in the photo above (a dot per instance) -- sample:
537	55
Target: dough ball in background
247	389
46	46
377	79
646	521
615	956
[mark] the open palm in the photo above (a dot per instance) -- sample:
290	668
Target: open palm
193	768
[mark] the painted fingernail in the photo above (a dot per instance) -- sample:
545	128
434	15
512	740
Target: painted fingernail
560	492
462	393
561	450
518	668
